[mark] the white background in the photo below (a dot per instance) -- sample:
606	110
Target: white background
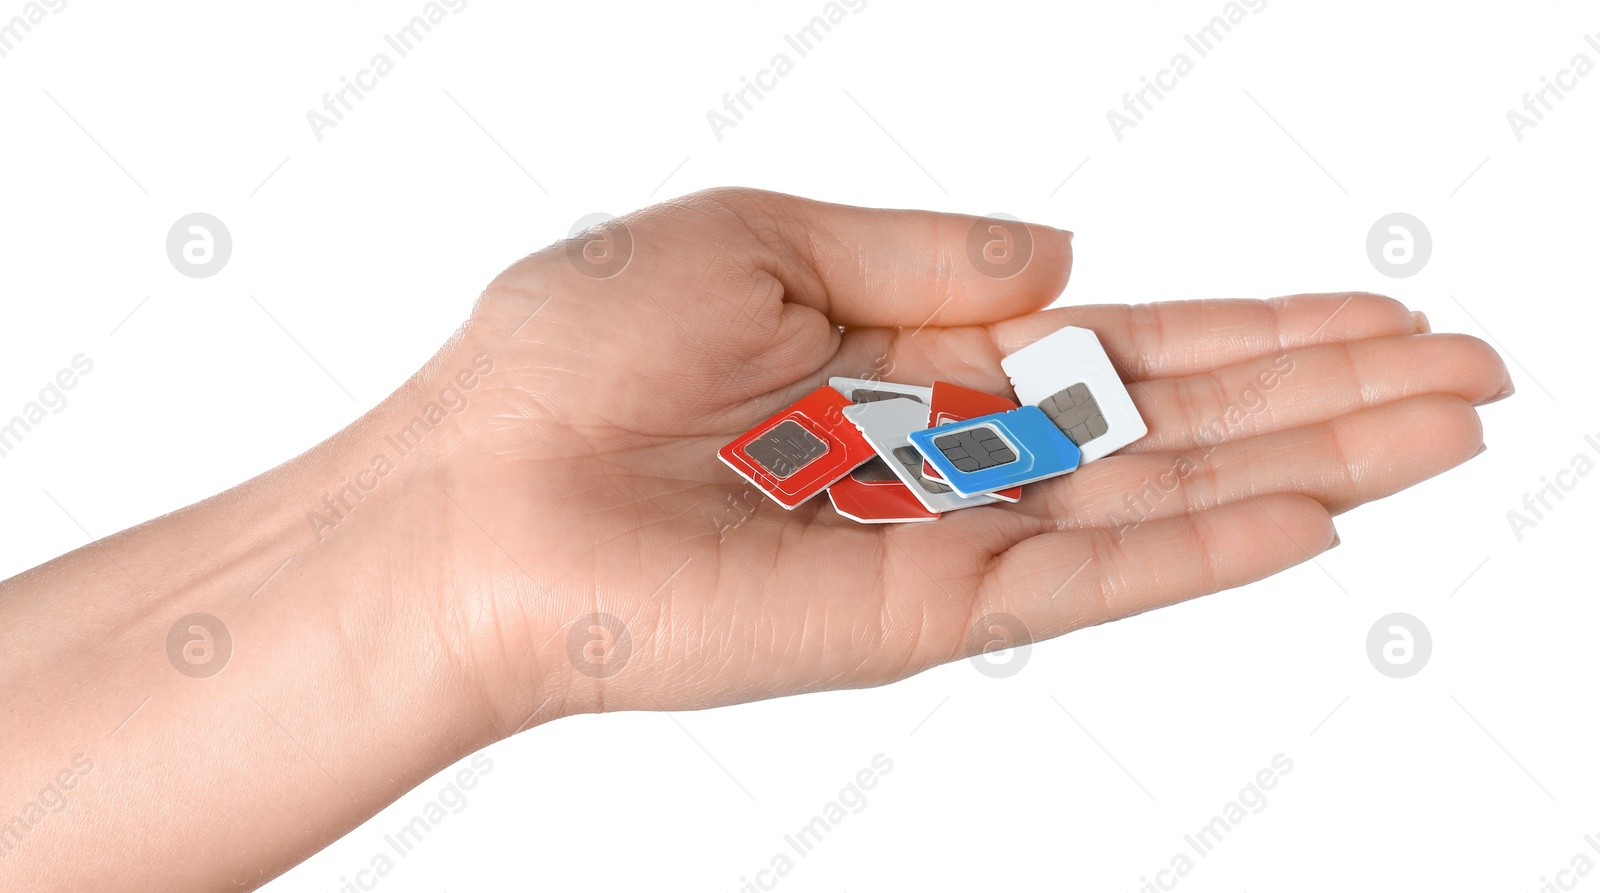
1259	175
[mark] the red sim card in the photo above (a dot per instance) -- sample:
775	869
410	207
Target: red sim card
873	494
797	453
954	403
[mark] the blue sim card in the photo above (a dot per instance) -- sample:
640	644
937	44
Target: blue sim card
996	451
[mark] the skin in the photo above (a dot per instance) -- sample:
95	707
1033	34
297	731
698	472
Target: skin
578	477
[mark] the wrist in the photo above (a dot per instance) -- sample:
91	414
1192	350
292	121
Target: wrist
414	494
245	666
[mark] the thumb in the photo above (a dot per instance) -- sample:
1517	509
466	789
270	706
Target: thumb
871	267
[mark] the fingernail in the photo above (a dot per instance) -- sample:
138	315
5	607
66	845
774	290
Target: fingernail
1420	320
1482	447
1335	541
1505	392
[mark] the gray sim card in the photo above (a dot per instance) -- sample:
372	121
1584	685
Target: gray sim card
874	471
912	461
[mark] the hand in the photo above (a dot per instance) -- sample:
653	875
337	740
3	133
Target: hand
585	479
556	461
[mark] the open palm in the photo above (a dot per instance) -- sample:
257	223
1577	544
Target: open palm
590	480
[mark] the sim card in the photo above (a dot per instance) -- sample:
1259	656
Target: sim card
992	452
954	403
868	390
1068	375
888	426
797	453
874	494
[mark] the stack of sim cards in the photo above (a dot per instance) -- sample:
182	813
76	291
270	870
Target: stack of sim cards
893	453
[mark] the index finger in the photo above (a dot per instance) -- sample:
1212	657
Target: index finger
1162	340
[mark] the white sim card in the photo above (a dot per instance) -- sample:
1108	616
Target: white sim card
868	390
1069	376
887	426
